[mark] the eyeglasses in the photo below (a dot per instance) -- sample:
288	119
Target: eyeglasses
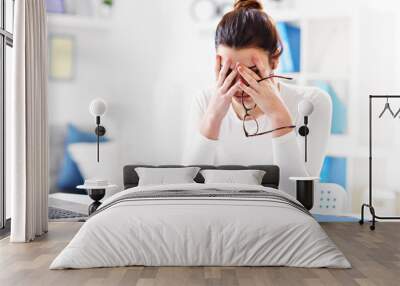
250	123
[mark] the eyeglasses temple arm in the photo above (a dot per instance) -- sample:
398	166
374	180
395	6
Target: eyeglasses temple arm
278	76
270	131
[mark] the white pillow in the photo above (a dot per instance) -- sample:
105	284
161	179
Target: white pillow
109	168
165	176
248	177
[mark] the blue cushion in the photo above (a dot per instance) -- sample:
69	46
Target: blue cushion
69	175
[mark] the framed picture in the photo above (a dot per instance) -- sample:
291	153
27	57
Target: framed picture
61	60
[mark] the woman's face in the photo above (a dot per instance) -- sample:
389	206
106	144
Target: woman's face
245	57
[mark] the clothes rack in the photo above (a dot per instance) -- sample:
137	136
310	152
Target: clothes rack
370	203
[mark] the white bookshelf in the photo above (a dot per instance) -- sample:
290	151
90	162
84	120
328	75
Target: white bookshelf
76	22
345	24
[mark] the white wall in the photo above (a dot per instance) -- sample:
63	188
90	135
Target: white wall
153	58
146	65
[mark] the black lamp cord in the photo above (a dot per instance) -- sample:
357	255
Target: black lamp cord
98	137
305	148
305	137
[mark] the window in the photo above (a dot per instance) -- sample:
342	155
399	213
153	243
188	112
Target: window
6	43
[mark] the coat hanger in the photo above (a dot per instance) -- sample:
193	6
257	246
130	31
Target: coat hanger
387	107
397	113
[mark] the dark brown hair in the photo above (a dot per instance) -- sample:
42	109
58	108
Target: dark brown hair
247	25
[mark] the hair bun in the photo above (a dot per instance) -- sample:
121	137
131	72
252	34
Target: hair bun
247	4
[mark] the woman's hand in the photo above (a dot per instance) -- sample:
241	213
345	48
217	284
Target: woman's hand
266	95
221	100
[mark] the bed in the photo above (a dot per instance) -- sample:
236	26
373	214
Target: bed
198	224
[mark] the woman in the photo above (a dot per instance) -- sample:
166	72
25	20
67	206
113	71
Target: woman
248	49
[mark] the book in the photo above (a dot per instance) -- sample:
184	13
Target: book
293	35
290	36
285	63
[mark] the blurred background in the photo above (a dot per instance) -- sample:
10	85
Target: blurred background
147	59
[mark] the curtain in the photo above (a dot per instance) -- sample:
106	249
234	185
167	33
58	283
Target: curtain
27	123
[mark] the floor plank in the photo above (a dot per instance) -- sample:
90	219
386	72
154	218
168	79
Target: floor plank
374	255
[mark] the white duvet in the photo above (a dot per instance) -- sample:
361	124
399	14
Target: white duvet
200	231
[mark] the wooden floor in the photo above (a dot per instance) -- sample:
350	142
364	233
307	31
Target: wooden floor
375	257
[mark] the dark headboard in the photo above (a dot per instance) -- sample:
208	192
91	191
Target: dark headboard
270	179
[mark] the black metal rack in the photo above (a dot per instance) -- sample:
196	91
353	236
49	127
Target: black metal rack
369	205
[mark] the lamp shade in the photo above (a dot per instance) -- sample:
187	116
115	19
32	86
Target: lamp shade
305	107
97	107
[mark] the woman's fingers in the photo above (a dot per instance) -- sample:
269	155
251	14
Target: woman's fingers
260	66
223	73
217	67
248	90
229	80
274	81
234	88
271	82
249	71
249	76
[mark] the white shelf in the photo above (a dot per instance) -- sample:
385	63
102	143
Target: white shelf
285	15
65	21
297	15
341	146
318	76
325	76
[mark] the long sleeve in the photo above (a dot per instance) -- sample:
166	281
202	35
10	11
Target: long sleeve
288	150
198	149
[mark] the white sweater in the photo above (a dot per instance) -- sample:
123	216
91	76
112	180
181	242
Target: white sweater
286	151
